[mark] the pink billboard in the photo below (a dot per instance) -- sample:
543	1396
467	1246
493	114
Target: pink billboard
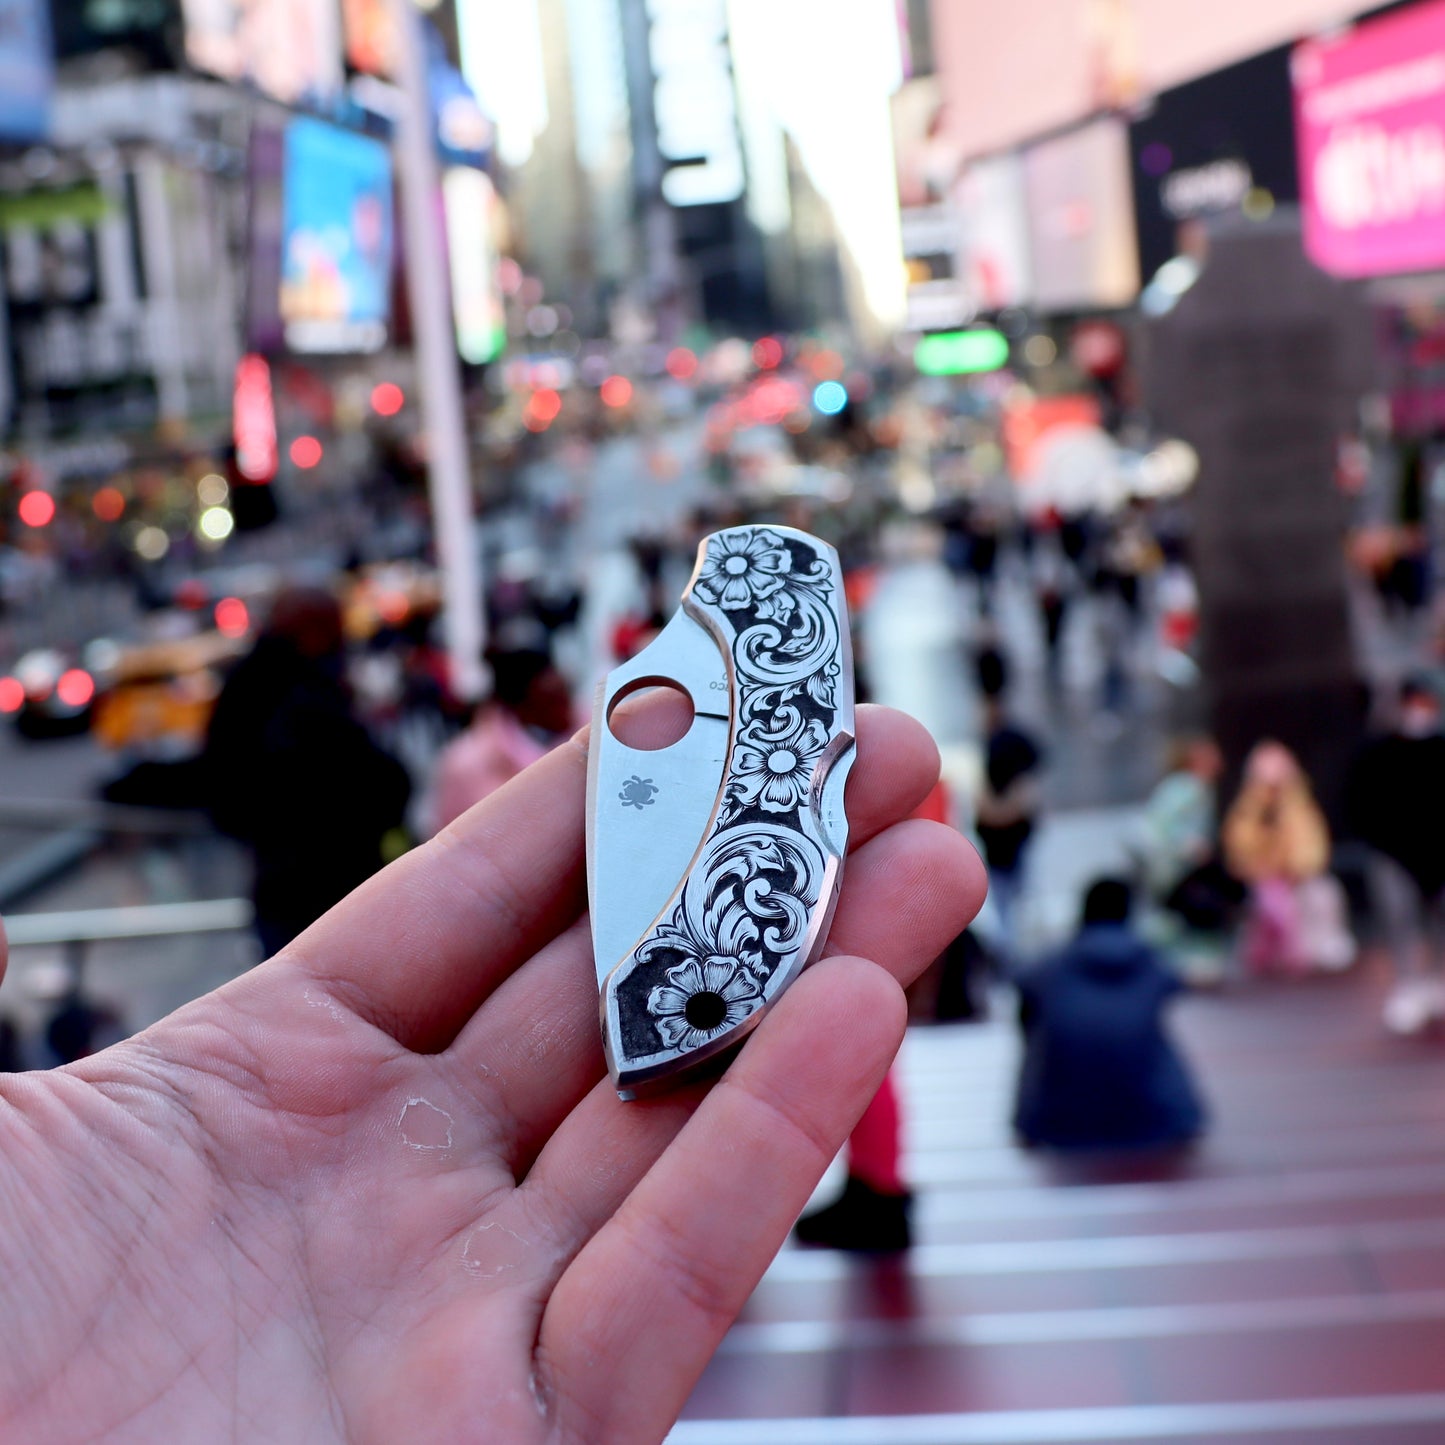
1370	121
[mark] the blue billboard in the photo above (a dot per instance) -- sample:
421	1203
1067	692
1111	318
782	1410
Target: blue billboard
27	70
336	239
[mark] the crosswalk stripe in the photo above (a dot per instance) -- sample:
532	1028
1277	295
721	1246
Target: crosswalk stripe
960	1205
1032	1327
1077	1426
1126	1251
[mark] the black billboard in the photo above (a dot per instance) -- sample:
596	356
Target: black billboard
1222	143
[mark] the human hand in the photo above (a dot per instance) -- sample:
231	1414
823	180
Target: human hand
379	1190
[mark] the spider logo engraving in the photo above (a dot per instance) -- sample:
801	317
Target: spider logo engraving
637	792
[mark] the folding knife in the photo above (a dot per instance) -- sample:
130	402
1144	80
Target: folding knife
713	865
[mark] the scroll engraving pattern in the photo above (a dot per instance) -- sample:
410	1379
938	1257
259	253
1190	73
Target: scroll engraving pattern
744	912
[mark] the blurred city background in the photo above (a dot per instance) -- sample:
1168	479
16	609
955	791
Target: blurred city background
369	371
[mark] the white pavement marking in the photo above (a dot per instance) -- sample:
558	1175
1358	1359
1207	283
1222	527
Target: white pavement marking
1408	1136
1146	1251
1073	1202
1074	1427
1037	1327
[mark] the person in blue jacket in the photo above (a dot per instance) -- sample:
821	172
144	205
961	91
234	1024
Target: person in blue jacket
1099	1069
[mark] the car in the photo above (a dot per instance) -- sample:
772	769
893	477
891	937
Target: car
48	694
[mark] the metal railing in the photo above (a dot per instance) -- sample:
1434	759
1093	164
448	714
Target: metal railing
67	831
140	920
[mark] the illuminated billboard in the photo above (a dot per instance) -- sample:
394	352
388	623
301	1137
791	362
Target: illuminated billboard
1370	125
1219	145
291	49
1015	73
371	38
27	72
993	232
1082	247
470	201
336	239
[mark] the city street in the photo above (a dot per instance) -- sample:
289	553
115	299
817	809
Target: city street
375	378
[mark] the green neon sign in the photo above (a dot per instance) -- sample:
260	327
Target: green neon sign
958	353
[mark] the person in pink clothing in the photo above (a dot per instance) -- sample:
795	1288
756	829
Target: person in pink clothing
528	713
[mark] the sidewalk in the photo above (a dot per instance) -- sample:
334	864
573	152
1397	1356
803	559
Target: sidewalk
1283	1284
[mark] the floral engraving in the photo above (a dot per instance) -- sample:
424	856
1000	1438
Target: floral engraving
773	765
744	912
743	568
701	999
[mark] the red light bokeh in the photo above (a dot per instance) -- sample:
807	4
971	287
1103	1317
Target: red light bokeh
768	352
615	391
232	617
75	688
108	504
681	363
37	509
387	398
306	452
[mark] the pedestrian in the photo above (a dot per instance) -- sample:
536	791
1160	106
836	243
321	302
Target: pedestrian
1051	592
1008	801
291	771
1099	1069
1395	803
1277	843
873	1214
528	713
1185	872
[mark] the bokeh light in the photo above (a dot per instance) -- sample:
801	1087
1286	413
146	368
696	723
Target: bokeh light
616	391
12	694
1040	350
75	688
212	489
151	543
108	504
306	452
191	594
830	397
681	363
387	398
37	509
543	408
233	618
216	524
768	352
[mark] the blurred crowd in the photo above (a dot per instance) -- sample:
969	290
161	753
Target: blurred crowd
336	740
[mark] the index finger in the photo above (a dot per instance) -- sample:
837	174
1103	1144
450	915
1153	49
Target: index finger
418	948
639	1313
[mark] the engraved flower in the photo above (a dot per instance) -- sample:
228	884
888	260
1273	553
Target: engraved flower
773	768
701	998
743	568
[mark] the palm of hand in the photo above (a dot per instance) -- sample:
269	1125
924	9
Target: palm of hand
377	1190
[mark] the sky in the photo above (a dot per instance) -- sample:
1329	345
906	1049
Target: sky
825	70
821	70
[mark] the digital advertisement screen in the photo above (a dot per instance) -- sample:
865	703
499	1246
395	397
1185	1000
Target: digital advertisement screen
337	234
1370	124
470	201
291	49
994	232
1209	148
27	72
1081	220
